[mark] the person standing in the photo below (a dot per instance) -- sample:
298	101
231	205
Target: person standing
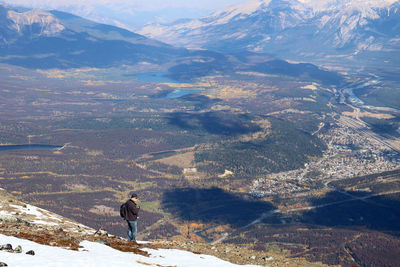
132	212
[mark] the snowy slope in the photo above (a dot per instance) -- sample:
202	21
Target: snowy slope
97	255
17	210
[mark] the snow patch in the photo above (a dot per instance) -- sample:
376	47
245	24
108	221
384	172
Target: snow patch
38	216
226	174
312	86
98	255
370	45
236	35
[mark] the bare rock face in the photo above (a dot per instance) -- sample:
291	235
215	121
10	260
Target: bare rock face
38	22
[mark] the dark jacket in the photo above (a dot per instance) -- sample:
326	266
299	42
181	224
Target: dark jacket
132	211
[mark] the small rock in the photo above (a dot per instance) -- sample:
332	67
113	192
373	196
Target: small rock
253	257
6	247
213	248
101	232
268	258
3	264
227	250
30	252
18	249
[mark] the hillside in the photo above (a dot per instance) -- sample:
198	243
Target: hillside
42	39
30	236
263	143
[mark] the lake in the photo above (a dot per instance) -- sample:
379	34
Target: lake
161	78
182	92
29	147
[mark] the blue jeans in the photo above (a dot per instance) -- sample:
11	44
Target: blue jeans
132	230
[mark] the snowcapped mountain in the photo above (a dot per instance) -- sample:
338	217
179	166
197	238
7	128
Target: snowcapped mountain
359	22
236	22
291	27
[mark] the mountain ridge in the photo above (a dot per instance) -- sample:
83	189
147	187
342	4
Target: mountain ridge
291	27
42	39
55	39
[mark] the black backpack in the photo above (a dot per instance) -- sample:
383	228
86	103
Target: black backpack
122	210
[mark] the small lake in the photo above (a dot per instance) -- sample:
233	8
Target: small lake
182	92
29	147
159	77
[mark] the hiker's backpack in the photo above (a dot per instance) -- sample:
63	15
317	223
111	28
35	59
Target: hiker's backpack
122	210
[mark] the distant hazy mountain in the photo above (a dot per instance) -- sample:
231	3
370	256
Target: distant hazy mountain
130	15
41	39
37	38
309	28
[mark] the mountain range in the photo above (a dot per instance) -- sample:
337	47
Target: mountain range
301	29
365	32
54	39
